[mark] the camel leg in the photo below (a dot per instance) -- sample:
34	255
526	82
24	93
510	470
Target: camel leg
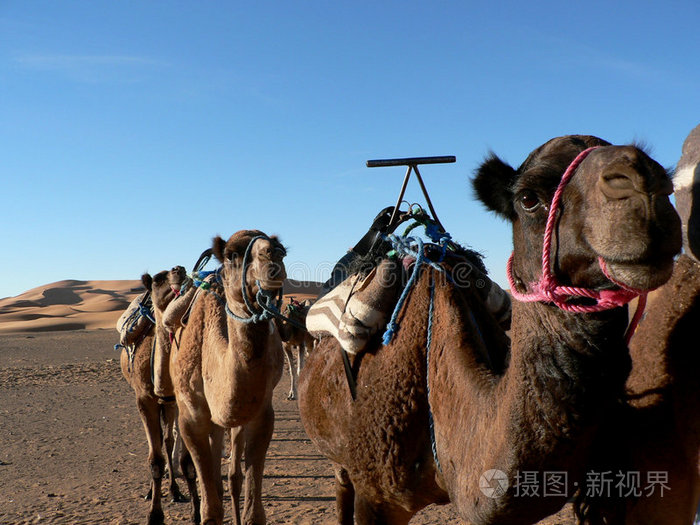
258	434
301	358
292	371
216	442
196	435
169	415
370	513
177	449
235	473
150	417
344	496
188	470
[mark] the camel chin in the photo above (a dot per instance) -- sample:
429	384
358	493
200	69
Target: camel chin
641	275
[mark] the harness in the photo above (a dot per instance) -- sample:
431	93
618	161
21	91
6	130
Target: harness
268	301
548	290
145	309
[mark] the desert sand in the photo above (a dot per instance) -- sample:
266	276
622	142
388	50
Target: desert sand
72	447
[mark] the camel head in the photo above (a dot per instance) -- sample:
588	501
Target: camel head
159	286
614	214
264	264
687	189
177	277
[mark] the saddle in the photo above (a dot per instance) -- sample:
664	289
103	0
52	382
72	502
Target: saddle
358	307
358	302
136	320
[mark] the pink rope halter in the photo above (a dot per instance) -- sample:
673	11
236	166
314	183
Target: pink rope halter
547	289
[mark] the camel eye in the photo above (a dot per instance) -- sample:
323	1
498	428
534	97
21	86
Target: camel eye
529	200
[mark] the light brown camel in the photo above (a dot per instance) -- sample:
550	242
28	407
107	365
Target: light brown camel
224	373
539	409
157	415
295	340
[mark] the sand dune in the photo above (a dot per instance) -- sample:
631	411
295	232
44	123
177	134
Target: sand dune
88	305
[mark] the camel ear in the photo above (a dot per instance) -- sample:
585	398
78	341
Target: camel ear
493	185
218	247
147	281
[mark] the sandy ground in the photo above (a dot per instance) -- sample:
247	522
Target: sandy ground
72	448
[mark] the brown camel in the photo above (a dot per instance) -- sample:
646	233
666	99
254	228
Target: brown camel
538	409
295	340
224	371
157	415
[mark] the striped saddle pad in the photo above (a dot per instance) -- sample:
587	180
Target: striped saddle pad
358	307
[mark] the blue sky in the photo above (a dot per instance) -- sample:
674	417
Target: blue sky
132	132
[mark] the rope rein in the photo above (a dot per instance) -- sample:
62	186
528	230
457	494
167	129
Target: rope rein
547	289
429	340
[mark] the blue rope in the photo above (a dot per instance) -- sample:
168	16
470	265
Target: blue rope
429	340
402	245
146	312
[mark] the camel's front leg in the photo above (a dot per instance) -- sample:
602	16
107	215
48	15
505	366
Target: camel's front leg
235	473
196	435
169	413
292	371
150	417
302	357
344	496
216	442
258	434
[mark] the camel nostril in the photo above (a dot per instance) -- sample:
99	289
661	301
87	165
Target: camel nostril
617	186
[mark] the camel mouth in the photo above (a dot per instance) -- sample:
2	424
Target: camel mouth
641	275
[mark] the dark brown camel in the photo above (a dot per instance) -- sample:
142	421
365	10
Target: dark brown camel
224	373
540	409
157	415
295	340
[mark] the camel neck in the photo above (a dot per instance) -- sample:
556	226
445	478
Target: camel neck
249	340
580	360
565	375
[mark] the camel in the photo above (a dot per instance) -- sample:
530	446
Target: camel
157	414
447	411
224	371
295	339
